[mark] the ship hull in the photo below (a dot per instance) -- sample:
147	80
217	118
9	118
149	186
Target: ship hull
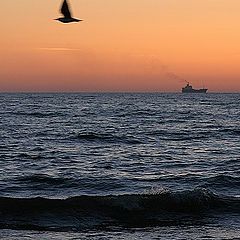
194	90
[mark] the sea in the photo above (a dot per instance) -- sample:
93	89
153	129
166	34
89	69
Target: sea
119	166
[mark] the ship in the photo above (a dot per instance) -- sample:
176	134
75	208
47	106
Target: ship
189	89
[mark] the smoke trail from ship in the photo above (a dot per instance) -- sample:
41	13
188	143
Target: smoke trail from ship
174	76
156	65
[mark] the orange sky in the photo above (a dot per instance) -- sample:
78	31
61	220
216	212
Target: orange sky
122	45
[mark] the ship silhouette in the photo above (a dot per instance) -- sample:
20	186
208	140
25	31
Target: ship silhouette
189	89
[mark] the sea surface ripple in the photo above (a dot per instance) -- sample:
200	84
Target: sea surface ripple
126	154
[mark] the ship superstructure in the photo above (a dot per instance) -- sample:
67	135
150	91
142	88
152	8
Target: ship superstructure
189	89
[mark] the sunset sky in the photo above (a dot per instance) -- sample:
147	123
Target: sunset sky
122	45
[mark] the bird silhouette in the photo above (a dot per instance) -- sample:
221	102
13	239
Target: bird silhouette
67	14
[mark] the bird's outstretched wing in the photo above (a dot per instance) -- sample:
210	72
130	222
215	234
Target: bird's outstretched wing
65	10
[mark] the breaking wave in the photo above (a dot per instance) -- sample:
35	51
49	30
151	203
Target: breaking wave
80	213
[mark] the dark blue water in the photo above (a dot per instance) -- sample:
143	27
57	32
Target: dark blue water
119	166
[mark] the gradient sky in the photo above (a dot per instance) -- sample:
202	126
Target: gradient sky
122	45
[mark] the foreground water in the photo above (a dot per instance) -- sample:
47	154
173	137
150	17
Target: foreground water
119	166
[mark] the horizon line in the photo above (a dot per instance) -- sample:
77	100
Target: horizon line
111	92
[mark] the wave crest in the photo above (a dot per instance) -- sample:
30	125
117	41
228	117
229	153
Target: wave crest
107	137
136	210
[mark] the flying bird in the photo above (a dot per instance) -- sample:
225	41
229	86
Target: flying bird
67	14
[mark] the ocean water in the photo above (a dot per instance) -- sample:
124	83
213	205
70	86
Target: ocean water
119	166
